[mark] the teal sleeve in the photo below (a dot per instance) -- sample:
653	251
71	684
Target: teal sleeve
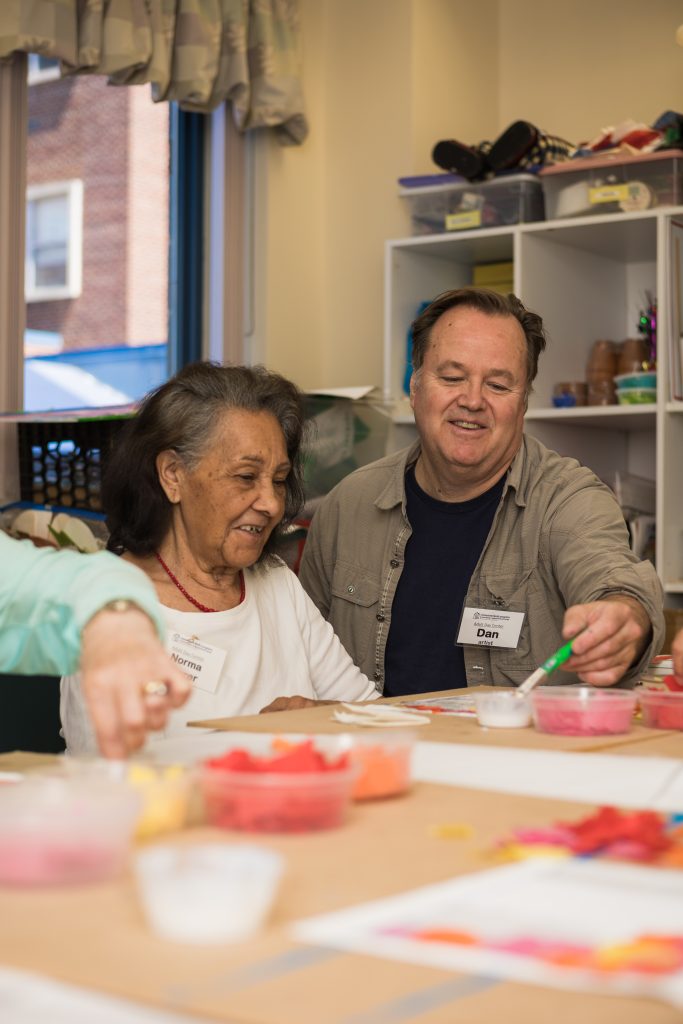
47	597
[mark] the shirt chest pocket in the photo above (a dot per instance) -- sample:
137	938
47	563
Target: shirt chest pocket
355	600
355	585
515	592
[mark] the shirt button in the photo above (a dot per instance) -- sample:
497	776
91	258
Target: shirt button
380	617
351	589
394	563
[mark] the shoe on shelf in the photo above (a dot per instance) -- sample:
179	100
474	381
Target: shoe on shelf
512	146
456	158
523	145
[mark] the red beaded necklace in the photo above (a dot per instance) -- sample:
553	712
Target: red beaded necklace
181	588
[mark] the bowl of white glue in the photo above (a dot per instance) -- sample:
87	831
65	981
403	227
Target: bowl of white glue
502	709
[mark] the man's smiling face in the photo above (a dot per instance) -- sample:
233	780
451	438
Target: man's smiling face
469	399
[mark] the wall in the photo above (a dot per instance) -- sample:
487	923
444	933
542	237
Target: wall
599	63
384	80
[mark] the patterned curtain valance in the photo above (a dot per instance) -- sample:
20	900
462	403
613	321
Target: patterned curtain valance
195	52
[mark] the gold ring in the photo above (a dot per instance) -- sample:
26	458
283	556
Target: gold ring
155	688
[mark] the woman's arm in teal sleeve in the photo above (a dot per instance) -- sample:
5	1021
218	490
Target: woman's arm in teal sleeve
47	597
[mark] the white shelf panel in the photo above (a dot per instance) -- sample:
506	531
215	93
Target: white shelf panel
487	245
674	587
674	407
623	237
608	417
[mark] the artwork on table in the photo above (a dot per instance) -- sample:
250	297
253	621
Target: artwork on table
582	924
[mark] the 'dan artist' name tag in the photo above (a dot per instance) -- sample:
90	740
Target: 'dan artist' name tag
490	627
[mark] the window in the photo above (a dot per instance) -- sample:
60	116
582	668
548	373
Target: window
42	69
54	234
109	151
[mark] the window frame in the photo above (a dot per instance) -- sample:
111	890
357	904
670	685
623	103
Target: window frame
73	190
38	75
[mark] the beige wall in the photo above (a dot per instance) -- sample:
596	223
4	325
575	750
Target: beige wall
575	68
383	81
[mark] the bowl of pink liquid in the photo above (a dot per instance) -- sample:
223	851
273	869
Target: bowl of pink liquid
58	830
582	710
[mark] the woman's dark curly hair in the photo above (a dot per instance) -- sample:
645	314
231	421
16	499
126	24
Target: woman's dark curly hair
182	415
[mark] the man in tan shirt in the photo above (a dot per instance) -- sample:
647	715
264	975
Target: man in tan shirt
471	556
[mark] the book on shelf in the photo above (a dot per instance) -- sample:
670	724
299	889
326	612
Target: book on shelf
675	333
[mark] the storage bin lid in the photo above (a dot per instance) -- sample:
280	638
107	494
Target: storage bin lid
588	163
462	185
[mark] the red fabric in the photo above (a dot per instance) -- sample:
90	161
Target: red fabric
303	757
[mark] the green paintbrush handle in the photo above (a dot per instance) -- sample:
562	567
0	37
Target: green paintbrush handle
558	658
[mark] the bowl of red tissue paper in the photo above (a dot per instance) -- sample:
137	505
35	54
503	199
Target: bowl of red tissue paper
298	789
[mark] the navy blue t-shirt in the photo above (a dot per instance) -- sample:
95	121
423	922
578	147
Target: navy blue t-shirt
441	555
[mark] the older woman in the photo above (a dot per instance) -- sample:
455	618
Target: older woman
195	492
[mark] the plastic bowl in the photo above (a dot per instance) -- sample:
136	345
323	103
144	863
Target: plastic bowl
383	763
285	801
65	830
503	709
646	379
165	791
582	710
207	893
565	401
637	396
164	788
661	709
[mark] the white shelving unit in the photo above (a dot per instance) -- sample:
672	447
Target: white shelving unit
588	278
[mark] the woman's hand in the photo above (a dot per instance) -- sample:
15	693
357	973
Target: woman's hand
293	704
129	681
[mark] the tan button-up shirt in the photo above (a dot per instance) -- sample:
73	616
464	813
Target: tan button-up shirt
558	539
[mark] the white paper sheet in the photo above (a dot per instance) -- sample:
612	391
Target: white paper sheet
27	998
510	915
354	393
590	778
200	743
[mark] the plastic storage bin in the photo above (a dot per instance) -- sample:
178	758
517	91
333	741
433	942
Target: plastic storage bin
60	462
613	185
459	205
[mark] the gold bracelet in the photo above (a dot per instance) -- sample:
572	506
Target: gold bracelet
120	604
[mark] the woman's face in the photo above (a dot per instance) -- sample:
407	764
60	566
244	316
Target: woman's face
228	505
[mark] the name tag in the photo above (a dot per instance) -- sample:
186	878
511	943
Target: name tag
201	662
490	627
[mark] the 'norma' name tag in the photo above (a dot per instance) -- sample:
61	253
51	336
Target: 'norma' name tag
201	662
490	627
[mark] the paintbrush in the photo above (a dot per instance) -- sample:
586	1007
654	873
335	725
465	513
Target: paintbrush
553	662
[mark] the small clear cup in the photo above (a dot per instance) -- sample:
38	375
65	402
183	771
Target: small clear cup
207	893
